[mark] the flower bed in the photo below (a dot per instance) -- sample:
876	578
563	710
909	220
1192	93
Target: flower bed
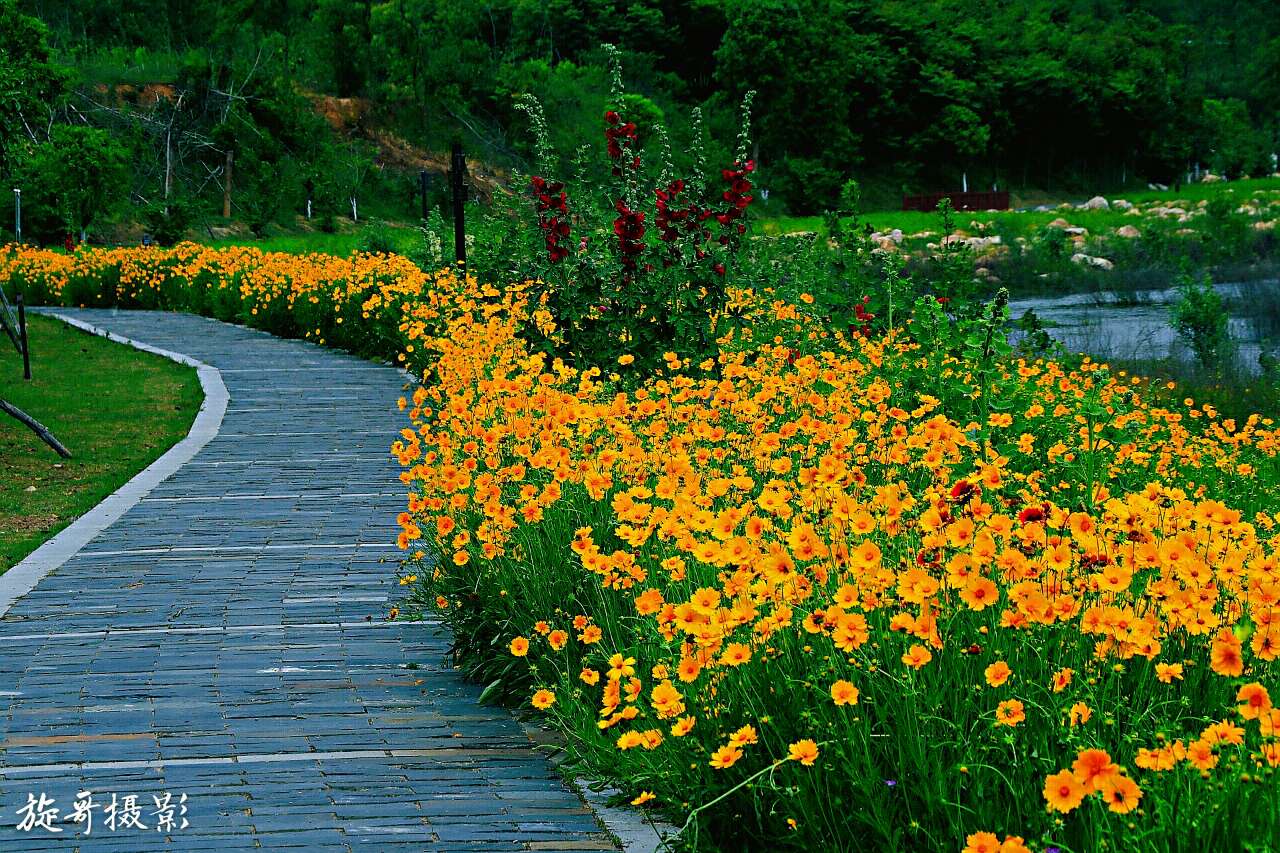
803	596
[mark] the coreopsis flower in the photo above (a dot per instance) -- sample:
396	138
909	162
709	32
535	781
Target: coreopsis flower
725	757
543	699
1256	700
805	751
844	693
1120	793
1092	767
917	656
1010	712
1063	792
997	673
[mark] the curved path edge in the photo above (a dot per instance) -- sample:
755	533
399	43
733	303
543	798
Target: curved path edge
23	577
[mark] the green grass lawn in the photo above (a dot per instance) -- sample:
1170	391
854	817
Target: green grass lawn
115	408
1013	222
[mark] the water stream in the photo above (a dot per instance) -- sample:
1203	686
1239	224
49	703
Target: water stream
1137	327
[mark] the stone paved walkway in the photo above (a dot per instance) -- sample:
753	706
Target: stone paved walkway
224	639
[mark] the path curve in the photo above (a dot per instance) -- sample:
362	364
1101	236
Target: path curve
223	638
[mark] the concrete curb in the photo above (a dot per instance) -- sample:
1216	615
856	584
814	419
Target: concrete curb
23	577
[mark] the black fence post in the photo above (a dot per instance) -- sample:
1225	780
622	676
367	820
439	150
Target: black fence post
424	187
22	335
458	180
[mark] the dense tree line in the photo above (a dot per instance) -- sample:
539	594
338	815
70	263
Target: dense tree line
901	95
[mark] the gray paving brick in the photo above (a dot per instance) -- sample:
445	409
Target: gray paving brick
237	610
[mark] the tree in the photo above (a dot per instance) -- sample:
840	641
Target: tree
75	177
31	84
1236	148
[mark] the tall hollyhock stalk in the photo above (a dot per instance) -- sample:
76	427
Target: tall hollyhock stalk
647	275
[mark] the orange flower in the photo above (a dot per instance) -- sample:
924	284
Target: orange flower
589	676
1120	793
982	842
725	757
1014	844
917	656
979	593
682	726
1009	713
805	751
557	639
1167	672
1255	698
543	699
744	736
645	797
1201	756
997	673
519	647
1092	766
1062	679
1063	792
844	693
1226	658
1079	713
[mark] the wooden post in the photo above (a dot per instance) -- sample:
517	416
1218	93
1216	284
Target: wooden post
423	186
22	335
458	180
36	427
226	186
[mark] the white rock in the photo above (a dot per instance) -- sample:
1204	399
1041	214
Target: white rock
1121	204
1100	263
1128	231
1096	203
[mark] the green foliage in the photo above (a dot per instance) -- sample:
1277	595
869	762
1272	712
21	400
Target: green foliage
72	180
31	84
1236	149
1201	319
167	222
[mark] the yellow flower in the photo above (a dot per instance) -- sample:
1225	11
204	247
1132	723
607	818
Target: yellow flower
805	751
998	673
725	757
844	693
543	699
1009	713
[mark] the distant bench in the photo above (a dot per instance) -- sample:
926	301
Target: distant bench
960	201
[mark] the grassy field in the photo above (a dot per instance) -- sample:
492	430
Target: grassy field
115	408
1014	222
403	238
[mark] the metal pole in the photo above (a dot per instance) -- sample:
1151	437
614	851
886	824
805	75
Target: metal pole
458	175
17	214
22	335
